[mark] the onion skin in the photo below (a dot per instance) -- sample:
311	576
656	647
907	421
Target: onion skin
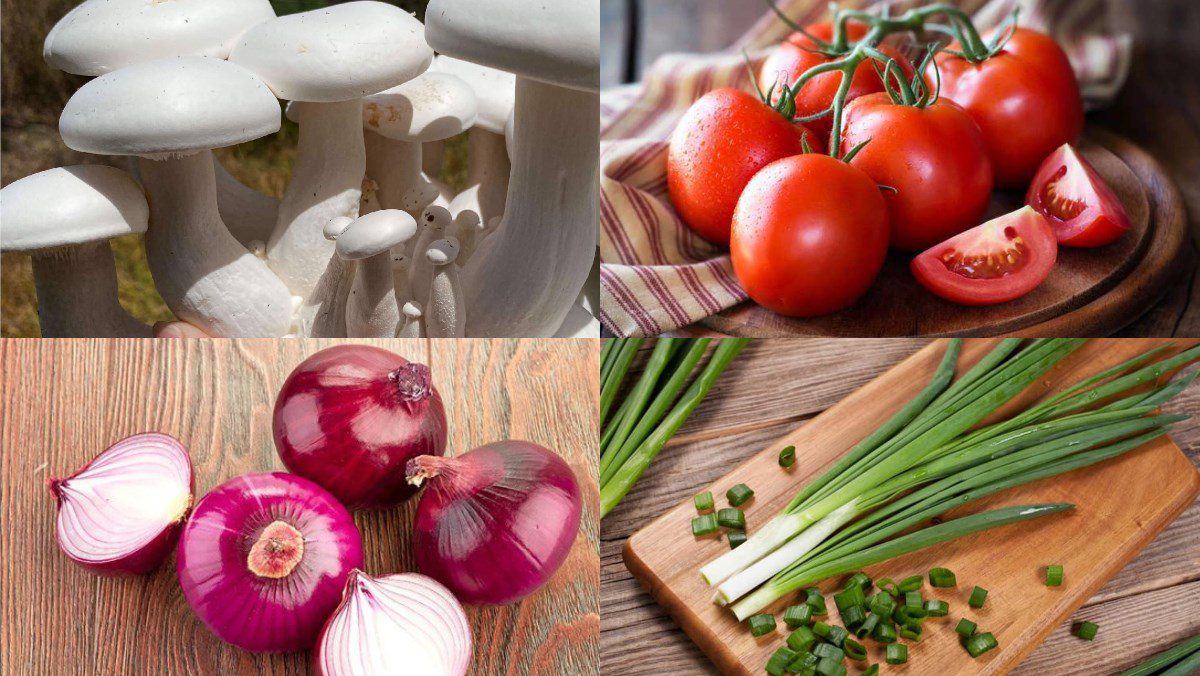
495	523
128	456
395	624
350	417
264	614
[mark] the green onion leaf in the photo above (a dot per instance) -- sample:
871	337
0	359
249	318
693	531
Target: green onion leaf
980	644
778	664
815	600
829	650
803	661
855	650
739	494
942	578
797	616
884	633
704	501
1054	576
1086	630
854	616
965	628
731	518
909	584
883	604
897	653
978	596
787	457
801	639
736	537
704	525
937	608
761	625
868	626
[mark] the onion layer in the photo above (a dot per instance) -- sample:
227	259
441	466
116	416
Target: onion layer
496	522
263	560
350	417
396	624
121	512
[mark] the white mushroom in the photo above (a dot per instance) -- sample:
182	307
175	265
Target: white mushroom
435	224
324	312
470	230
249	214
372	310
583	320
524	278
487	157
324	61
445	308
413	326
430	107
64	218
171	113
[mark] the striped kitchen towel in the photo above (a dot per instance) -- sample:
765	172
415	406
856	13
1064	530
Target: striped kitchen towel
657	276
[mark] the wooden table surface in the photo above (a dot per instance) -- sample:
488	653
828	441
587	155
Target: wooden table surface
61	402
772	388
1159	107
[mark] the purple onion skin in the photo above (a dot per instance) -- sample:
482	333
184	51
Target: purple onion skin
497	521
256	613
351	417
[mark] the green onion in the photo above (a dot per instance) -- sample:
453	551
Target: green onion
797	616
837	635
868	626
913	600
731	517
849	597
854	616
760	625
855	650
739	494
1086	630
872	670
830	667
907	613
803	660
822	629
861	579
627	349
1174	657
801	639
912	631
829	650
778	664
896	653
787	457
887	584
736	537
704	501
910	584
937	608
885	632
883	604
704	525
942	578
965	628
815	600
1054	576
980	644
978	596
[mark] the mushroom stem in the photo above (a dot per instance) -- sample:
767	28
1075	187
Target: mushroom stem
395	166
524	278
249	214
444	317
433	225
202	273
77	294
487	176
326	183
373	311
413	326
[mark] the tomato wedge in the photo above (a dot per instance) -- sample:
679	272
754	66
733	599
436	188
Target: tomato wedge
1080	206
1003	259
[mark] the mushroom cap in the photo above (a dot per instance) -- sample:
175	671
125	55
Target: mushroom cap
70	205
177	105
443	251
336	53
430	107
375	233
556	42
100	36
494	90
411	309
336	226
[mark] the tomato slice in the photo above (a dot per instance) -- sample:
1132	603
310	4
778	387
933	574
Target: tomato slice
1080	206
1003	259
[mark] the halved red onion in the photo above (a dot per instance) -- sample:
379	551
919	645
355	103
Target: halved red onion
495	522
121	512
264	558
395	624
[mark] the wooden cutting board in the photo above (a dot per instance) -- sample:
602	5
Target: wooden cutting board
1121	505
1090	292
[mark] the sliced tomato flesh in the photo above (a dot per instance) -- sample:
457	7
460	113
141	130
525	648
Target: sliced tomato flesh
1081	207
995	262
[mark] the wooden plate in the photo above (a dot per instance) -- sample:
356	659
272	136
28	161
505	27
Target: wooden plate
1090	291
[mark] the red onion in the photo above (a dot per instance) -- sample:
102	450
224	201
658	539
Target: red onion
396	624
350	417
496	522
263	560
120	513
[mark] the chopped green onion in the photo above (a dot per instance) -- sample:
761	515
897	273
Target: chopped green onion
704	525
942	578
829	650
822	629
1054	576
855	650
912	631
787	457
801	639
909	584
980	644
837	635
830	667
1086	630
905	614
978	596
872	670
965	628
896	653
849	597
797	616
937	608
736	537
778	664
887	584
864	630
760	625
815	600
704	501
884	633
854	616
861	579
803	661
913	599
883	604
739	494
731	518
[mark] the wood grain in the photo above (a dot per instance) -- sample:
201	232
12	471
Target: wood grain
638	637
63	401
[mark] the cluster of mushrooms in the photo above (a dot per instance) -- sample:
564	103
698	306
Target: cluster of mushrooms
365	241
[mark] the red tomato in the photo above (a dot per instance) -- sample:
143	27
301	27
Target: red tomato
1003	259
721	142
795	56
1078	203
810	234
934	157
1025	100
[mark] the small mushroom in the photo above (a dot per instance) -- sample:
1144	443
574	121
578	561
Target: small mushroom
435	224
445	308
413	326
372	310
64	218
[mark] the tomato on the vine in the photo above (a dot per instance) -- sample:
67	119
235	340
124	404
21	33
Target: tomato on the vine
1003	259
720	143
810	234
935	159
797	54
1025	99
1080	206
